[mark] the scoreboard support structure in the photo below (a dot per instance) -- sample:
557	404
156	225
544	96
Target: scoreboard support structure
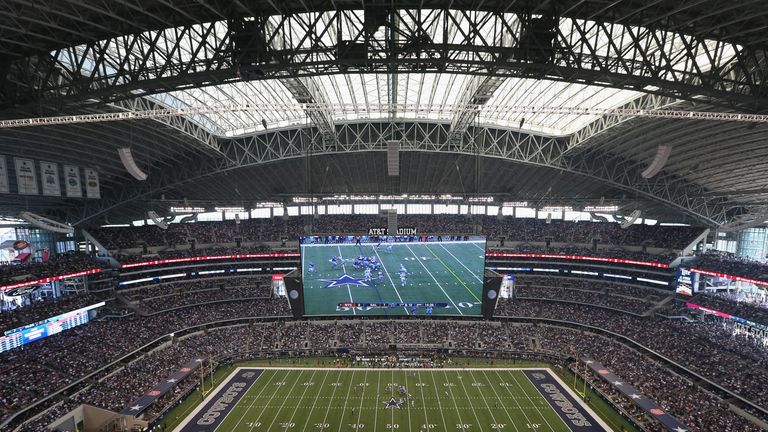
491	289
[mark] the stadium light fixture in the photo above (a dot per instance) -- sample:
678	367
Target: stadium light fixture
46	224
662	155
630	220
126	157
157	220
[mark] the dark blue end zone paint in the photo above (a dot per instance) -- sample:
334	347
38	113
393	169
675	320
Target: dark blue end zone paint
568	408
216	409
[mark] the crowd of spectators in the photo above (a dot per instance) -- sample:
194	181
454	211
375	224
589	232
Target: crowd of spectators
695	407
509	228
708	349
49	364
249	230
643	295
619	253
187	253
724	262
160	297
723	302
42	308
706	345
69	262
627	304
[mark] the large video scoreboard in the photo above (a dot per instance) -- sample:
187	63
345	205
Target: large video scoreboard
393	275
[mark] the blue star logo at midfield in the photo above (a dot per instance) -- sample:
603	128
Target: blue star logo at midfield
392	403
345	280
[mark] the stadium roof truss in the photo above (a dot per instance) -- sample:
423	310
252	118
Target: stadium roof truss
437	79
427	137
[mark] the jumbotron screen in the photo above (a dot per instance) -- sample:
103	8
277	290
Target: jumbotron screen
370	275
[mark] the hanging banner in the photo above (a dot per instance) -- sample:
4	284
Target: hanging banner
92	184
49	174
72	181
4	176
26	178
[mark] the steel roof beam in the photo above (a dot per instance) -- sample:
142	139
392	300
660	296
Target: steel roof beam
509	145
674	65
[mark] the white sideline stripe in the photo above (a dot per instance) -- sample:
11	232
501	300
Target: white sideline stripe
433	278
474	242
462	264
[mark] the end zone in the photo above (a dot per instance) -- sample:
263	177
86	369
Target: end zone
209	414
575	414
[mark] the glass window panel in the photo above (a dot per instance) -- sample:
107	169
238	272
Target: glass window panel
261	213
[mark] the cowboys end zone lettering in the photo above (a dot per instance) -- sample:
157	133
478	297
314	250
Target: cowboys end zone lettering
403	231
217	408
573	414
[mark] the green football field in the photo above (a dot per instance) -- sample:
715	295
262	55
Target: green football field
327	399
437	272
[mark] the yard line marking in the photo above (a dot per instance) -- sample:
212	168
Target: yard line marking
254	401
503	405
328	408
475	244
344	268
309	416
519	407
285	399
531	399
302	397
426	419
390	279
542	397
408	401
391	381
376	406
450	388
544	418
346	399
464	387
453	273
362	392
462	264
433	278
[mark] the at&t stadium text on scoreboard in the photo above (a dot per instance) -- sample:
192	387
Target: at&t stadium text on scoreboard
392	305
